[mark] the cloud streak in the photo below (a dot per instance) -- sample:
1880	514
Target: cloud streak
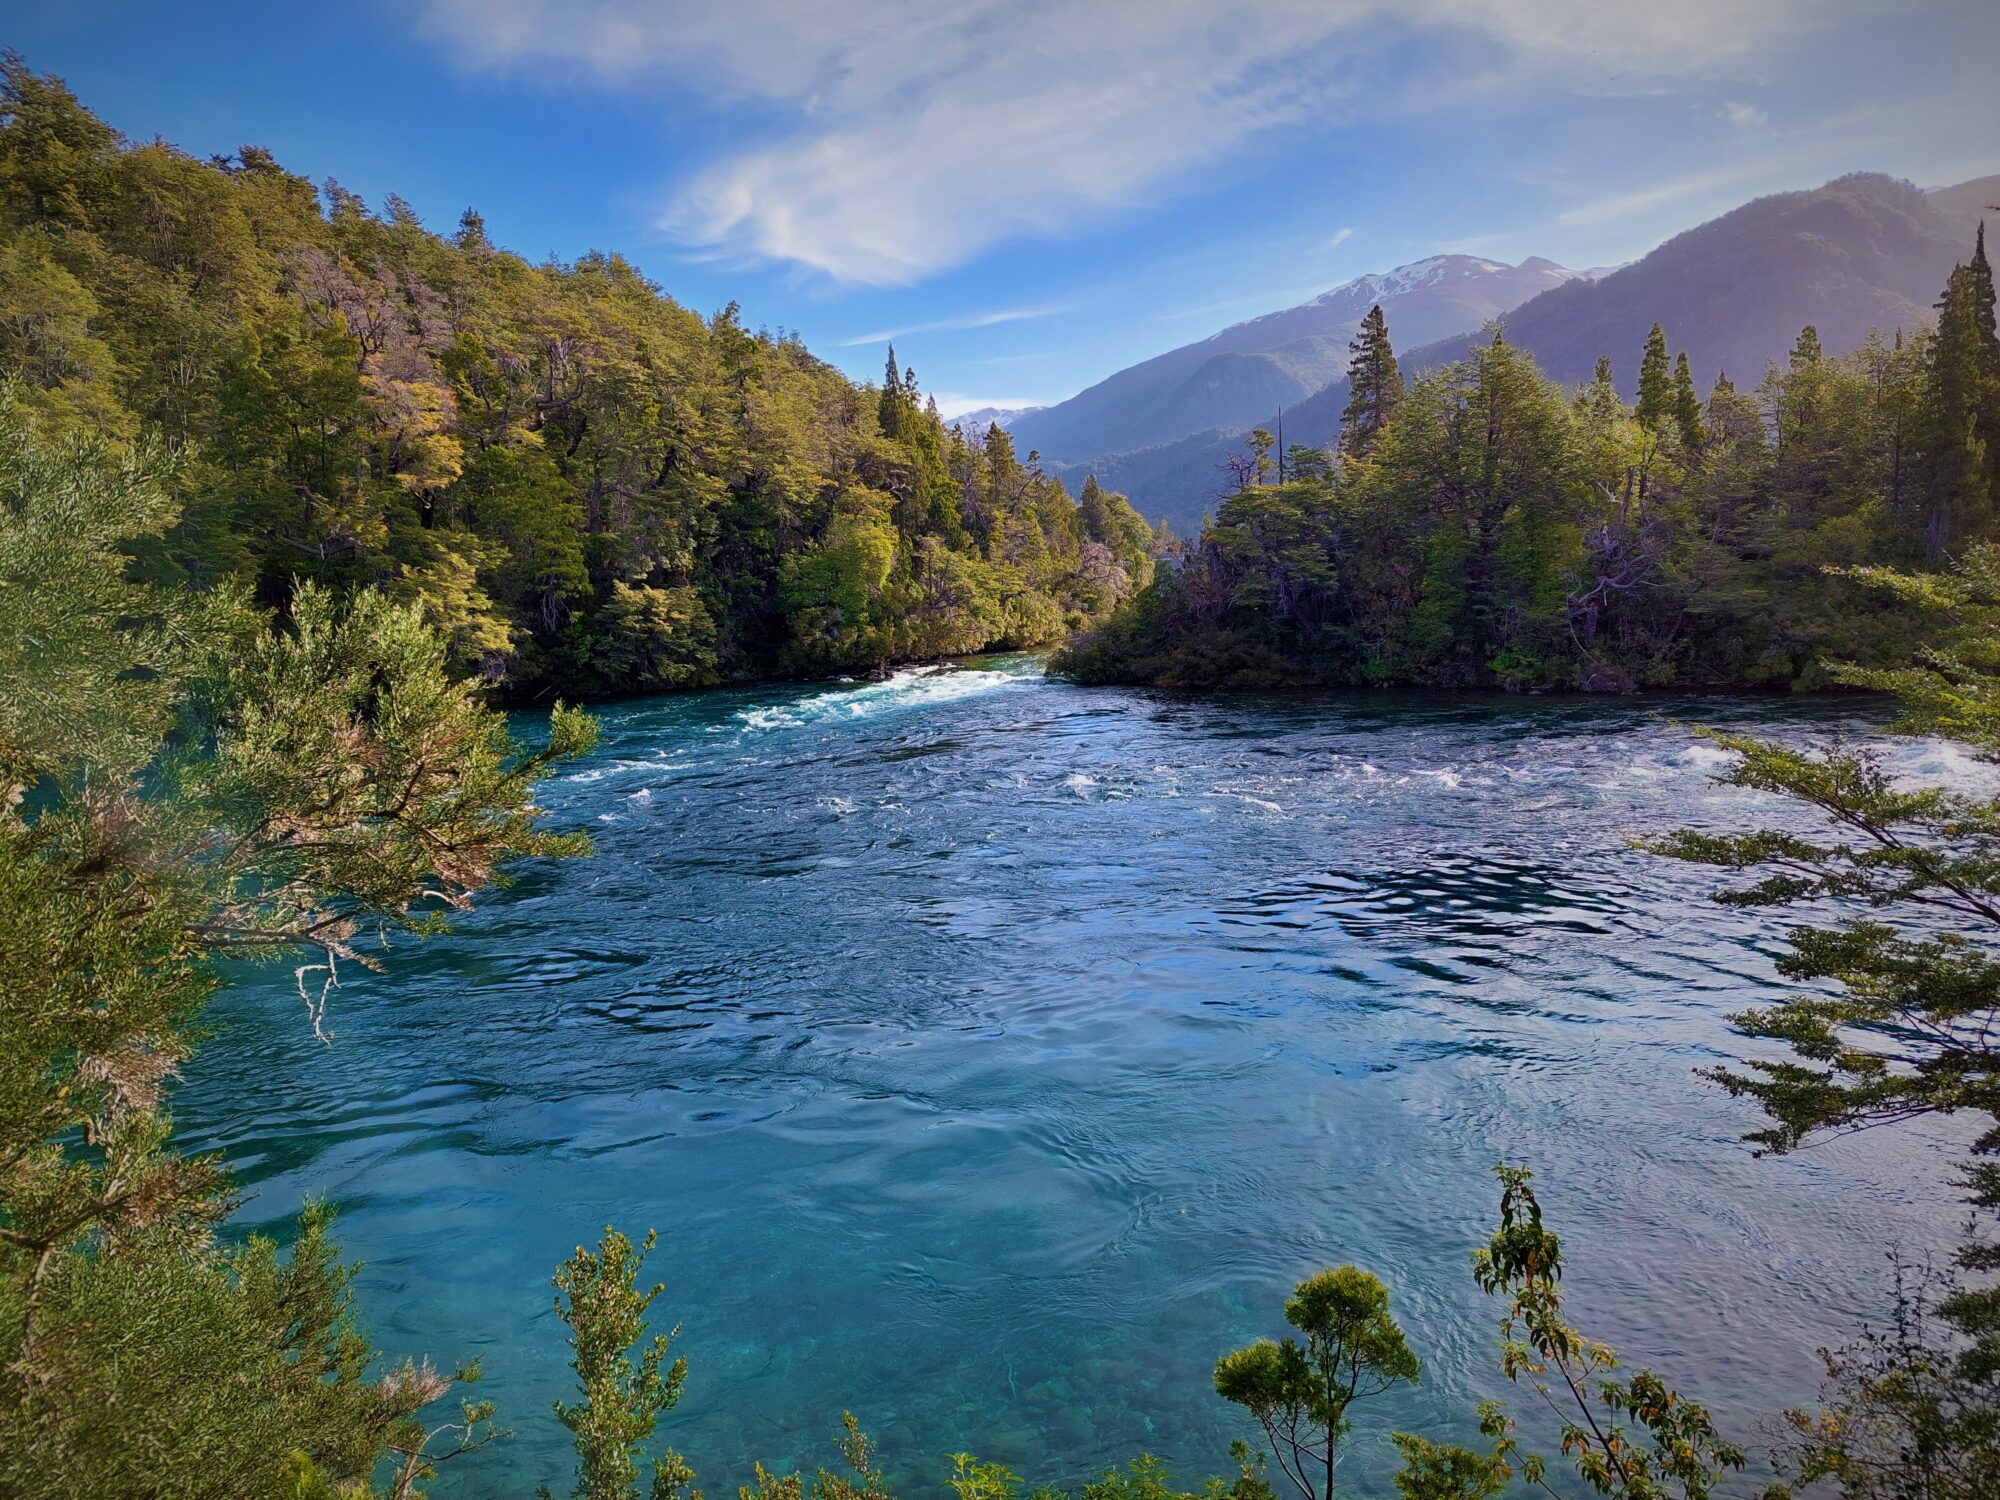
908	136
952	325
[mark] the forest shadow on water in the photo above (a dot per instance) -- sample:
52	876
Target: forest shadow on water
992	1054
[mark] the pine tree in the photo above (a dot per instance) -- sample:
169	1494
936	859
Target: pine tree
889	409
1374	386
1656	395
1963	403
1687	405
1600	398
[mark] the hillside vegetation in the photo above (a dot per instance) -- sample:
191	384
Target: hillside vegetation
1488	527
584	485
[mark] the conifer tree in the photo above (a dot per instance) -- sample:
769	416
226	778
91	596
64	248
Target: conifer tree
1656	395
1687	405
889	408
1962	445
1600	397
1374	386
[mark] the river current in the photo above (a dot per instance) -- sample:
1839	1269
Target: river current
991	1054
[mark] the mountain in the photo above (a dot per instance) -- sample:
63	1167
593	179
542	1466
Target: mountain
1861	254
980	418
1240	376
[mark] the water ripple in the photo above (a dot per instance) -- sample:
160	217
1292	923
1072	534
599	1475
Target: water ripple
990	1054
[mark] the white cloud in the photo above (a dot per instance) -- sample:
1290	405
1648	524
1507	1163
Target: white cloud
1744	116
952	325
1338	238
909	135
1672	190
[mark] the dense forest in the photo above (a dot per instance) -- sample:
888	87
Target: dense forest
1484	527
586	487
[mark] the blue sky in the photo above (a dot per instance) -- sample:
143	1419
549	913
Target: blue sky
1030	194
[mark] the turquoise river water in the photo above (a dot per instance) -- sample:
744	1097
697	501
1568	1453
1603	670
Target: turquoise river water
991	1054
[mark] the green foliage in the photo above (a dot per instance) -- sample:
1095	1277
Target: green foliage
582	486
1374	386
621	1398
1651	1441
1960	454
1440	1471
1302	1394
1656	392
1902	1417
1492	531
1899	1022
183	779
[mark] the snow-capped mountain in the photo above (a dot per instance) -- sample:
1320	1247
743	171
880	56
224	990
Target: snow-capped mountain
980	418
1861	254
1249	370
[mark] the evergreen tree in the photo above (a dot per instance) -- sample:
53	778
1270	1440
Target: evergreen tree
1687	405
889	407
1374	386
1656	393
1600	398
1962	441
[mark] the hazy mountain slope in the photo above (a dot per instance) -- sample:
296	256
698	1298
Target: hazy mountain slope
1243	374
1862	253
1964	204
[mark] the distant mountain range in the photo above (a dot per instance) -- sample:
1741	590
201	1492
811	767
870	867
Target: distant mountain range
1239	377
1863	253
980	418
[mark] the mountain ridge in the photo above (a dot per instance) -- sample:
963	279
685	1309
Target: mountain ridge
1241	374
1862	253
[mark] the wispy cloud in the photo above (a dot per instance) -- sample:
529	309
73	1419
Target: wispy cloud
1338	238
906	136
1744	116
1670	190
952	325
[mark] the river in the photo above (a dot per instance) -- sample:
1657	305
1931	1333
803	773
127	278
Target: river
991	1054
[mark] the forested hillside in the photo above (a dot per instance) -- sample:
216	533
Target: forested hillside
1860	255
586	486
1485	526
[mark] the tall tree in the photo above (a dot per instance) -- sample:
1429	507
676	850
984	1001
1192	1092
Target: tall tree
1687	405
1655	410
1374	386
889	407
1962	445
